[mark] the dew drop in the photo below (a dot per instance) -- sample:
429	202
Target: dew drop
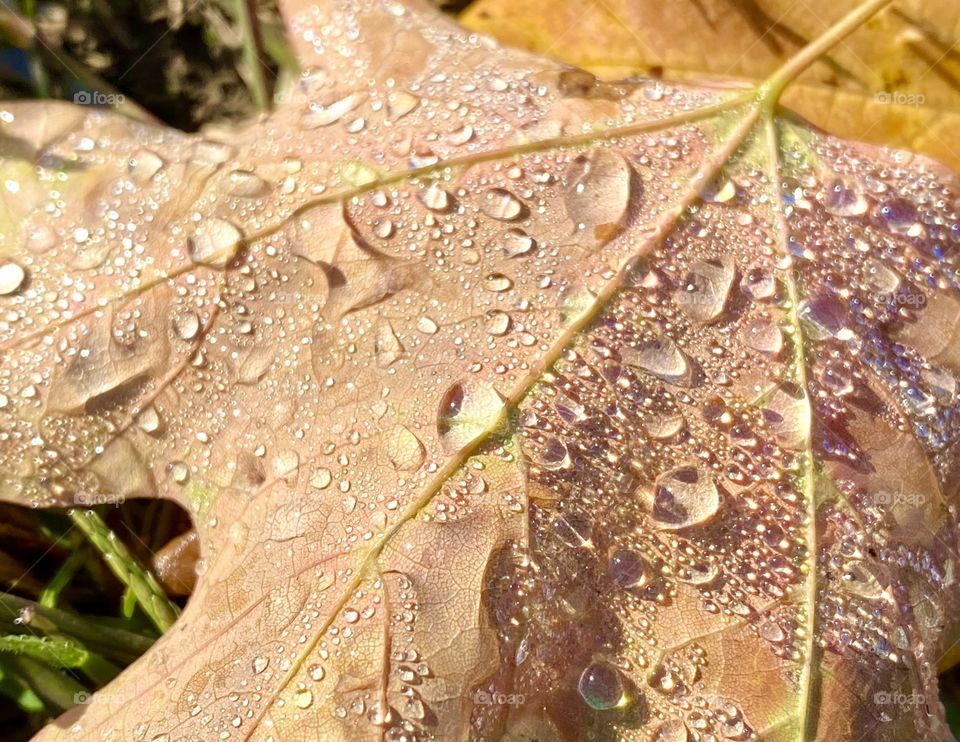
684	497
143	165
435	198
303	698
627	568
497	323
705	289
517	243
597	199
215	242
318	116
601	686
247	184
12	277
500	204
901	217
186	324
762	335
497	282
660	357
400	103
843	198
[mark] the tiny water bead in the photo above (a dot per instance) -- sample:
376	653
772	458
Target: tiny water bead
601	686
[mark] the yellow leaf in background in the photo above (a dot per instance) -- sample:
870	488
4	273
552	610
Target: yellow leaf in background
896	82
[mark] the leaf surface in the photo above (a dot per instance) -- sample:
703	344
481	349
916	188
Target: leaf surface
896	82
509	404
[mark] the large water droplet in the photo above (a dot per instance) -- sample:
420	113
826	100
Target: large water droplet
499	203
435	198
601	686
628	569
319	115
843	198
215	242
386	345
517	243
763	335
599	189
684	497
12	277
901	217
467	409
405	450
704	291
660	357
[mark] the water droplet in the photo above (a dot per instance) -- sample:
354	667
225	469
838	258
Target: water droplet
901	217
758	283
387	349
215	242
672	731
435	198
499	203
461	136
684	497
762	335
247	184
316	672
303	698
149	421
497	282
628	569
843	198
179	472
705	289
318	115
427	326
599	188
467	409
601	686
574	530
260	664
186	324
143	165
517	243
405	450
400	103
663	425
12	277
660	357
720	191
497	322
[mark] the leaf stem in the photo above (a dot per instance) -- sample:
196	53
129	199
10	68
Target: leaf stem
772	88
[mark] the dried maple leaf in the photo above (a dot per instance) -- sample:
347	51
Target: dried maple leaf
509	404
897	82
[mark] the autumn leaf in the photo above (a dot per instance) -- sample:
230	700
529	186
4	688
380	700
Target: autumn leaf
509	404
896	82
